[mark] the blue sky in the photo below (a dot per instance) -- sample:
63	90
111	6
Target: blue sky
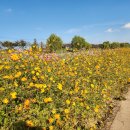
95	20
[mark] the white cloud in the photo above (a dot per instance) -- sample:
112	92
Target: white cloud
127	26
9	10
109	30
85	28
73	30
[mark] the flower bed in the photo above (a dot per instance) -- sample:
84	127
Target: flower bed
71	93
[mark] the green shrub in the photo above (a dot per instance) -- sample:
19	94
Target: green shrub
115	45
79	43
105	45
124	45
54	43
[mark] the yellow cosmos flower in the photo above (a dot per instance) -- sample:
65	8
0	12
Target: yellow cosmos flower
37	74
7	67
44	85
87	107
42	90
2	89
14	57
129	80
73	104
29	123
15	84
51	78
71	92
97	66
33	72
49	69
81	104
1	67
24	79
42	77
13	95
11	77
51	127
76	89
10	51
18	74
38	86
26	103
68	102
59	86
57	116
31	84
50	120
36	68
92	85
54	111
47	100
5	100
67	111
34	78
16	67
96	109
6	77
20	108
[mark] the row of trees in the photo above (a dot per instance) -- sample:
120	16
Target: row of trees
10	44
55	43
113	45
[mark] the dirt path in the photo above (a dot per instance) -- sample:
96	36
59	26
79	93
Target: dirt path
122	119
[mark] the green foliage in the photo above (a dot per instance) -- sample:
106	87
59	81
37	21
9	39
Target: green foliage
34	45
79	43
54	43
72	91
115	45
105	45
8	44
20	43
124	45
11	45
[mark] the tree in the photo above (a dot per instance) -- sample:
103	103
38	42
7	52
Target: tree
11	45
20	43
34	46
125	45
79	43
8	44
54	43
115	45
42	47
0	44
105	45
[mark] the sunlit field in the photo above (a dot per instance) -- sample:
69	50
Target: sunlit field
70	91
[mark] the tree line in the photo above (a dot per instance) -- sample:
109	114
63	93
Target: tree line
55	43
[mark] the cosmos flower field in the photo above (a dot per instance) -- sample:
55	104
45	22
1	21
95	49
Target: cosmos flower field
53	92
